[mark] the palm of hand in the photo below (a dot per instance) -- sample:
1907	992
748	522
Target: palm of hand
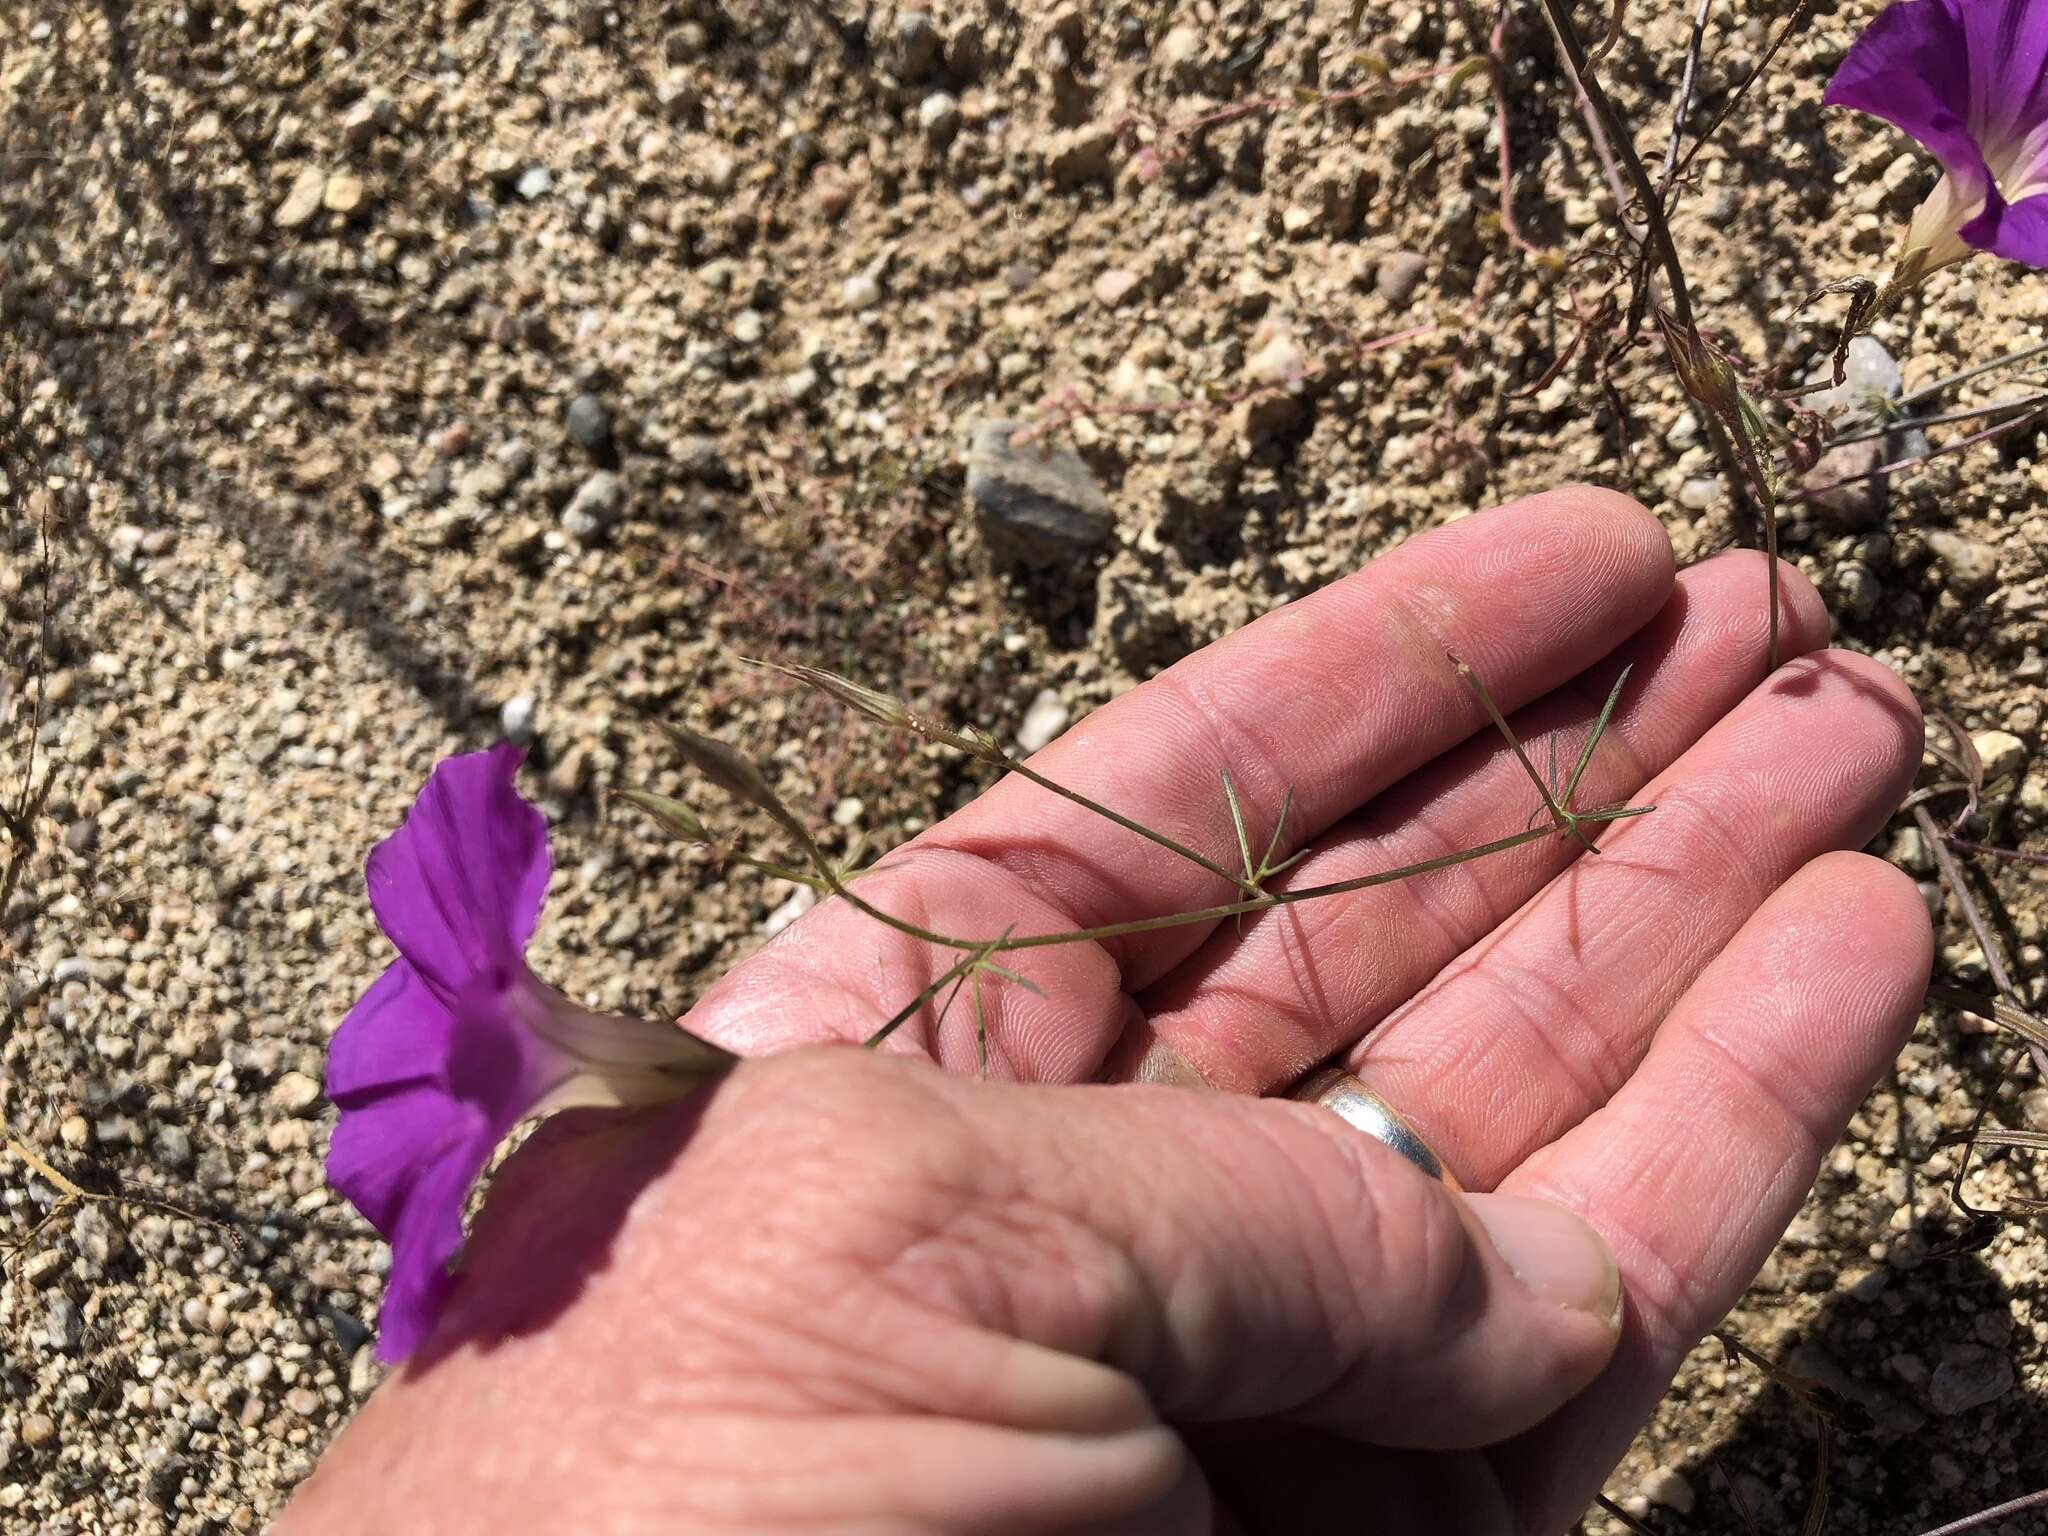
1665	1038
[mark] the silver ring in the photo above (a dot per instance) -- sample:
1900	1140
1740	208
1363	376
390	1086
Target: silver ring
1362	1109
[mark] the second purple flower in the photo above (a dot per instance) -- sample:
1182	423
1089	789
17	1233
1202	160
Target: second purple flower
1968	79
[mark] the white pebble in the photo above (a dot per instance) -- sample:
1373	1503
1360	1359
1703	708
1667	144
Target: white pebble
516	719
801	900
1044	720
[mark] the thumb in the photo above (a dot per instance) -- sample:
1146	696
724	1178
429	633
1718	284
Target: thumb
1244	1258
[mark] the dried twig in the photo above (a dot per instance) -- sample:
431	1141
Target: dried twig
1688	83
1984	1517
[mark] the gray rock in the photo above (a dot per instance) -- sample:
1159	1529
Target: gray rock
918	46
1972	564
1869	374
589	422
1842	483
63	1325
516	458
939	116
173	1145
701	459
1399	276
595	506
1857	588
82	836
1699	493
1035	506
1969	1376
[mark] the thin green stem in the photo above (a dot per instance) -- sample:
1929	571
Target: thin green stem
1261	903
1024	770
954	974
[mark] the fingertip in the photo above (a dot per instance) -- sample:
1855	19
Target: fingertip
1804	624
1892	927
1608	515
1866	733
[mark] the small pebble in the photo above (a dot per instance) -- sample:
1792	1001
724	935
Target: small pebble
1667	1488
1043	721
516	719
1114	285
939	115
800	901
1972	564
589	422
294	1093
595	506
303	200
344	193
1700	494
1399	276
2002	753
1968	1377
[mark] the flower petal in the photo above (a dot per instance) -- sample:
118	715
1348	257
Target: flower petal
1911	67
2008	55
458	887
420	1210
2017	231
426	1093
398	1033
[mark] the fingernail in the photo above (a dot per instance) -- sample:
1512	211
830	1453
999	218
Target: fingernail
1552	1252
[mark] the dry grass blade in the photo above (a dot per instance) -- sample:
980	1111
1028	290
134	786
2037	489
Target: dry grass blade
1627	1519
879	707
731	771
1818	1402
1998	1010
668	811
1984	1517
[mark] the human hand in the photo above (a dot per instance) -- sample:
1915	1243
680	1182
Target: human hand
857	1294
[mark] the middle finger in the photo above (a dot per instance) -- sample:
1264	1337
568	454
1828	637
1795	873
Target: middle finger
1252	1011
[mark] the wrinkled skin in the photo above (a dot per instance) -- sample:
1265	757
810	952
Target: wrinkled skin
853	1293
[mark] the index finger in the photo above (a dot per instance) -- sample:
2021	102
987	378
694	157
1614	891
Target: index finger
1334	697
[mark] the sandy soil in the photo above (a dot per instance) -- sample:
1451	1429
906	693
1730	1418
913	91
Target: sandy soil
376	382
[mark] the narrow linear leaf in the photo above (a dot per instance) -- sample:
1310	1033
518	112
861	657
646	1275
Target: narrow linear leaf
1599	730
1244	846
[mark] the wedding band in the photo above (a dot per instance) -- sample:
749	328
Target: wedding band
1362	1109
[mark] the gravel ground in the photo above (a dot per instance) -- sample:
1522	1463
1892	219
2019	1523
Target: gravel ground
380	383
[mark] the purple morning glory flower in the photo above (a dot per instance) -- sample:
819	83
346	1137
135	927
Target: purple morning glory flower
1968	79
458	1041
